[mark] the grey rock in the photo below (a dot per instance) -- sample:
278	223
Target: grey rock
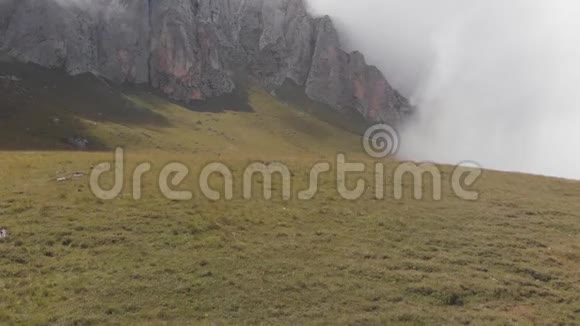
7	8
346	81
326	81
10	78
79	143
123	41
40	32
105	37
185	49
198	49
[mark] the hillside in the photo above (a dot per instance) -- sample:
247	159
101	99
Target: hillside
509	258
45	109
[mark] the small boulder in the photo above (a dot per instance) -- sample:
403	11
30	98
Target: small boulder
78	142
11	78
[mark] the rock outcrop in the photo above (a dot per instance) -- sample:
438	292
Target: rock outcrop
106	37
197	49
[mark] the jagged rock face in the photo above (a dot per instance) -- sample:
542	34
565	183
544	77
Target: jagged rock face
7	8
107	37
299	35
196	49
123	40
328	70
372	95
345	81
42	33
186	40
276	36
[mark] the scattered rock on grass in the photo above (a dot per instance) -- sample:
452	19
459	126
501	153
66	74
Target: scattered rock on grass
11	78
78	142
3	233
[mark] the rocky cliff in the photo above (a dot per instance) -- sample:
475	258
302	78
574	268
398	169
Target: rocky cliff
194	49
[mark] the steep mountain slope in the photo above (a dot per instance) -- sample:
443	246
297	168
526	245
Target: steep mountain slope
193	50
44	109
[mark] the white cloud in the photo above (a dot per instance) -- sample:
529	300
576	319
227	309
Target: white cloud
495	80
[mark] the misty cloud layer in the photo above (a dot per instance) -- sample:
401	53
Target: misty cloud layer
495	81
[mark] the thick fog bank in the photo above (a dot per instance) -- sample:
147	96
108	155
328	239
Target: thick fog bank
495	81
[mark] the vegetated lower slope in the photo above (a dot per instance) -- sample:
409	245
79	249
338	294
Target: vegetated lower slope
43	109
512	257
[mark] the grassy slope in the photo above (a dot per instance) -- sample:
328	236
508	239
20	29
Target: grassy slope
141	120
511	257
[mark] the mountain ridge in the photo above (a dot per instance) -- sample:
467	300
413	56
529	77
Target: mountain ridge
191	50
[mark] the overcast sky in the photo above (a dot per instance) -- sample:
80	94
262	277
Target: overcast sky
495	81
